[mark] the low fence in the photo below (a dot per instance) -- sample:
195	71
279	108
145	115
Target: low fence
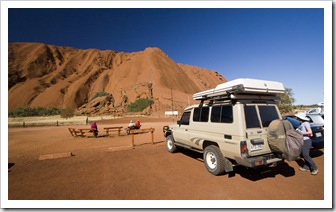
54	121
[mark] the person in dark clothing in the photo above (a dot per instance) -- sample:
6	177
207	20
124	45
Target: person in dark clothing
306	131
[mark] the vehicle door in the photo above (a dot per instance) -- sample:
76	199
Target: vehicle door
257	120
200	127
181	132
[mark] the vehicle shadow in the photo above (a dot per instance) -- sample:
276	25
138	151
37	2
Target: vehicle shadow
253	174
195	155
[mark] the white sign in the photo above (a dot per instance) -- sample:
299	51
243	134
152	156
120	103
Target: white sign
171	113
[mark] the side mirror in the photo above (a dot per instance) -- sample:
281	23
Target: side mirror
179	122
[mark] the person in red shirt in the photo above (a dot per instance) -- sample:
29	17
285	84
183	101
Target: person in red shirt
137	124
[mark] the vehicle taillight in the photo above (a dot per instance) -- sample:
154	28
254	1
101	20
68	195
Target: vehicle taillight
243	148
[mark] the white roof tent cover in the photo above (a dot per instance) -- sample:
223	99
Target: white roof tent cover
242	86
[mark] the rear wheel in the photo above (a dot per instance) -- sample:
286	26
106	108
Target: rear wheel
170	144
214	160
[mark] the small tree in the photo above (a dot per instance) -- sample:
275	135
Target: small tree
67	113
285	104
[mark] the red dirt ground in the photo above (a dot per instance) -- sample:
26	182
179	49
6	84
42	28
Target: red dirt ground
106	168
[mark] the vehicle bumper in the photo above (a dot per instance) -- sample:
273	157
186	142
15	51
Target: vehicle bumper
258	161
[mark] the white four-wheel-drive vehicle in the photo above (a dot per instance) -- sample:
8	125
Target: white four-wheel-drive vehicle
229	125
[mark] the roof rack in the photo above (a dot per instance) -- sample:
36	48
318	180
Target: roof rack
242	88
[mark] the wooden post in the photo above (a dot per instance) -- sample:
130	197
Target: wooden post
152	132
107	132
132	141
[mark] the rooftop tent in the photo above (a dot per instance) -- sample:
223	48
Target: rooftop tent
242	86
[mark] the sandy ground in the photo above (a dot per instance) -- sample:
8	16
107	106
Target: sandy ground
107	168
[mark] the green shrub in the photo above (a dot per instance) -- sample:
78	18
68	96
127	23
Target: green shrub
67	113
139	105
99	94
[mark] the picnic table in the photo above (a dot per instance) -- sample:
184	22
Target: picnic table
81	132
112	129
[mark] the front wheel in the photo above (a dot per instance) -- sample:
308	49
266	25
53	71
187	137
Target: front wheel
214	160
170	144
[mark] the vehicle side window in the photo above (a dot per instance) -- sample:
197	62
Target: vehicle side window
197	114
201	114
222	114
185	119
205	114
227	115
215	113
313	111
251	117
267	115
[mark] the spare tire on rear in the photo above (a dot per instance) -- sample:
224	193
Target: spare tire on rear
283	140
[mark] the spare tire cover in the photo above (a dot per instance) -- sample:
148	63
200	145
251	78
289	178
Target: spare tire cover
276	136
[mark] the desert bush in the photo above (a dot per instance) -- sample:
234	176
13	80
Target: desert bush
99	94
67	113
139	105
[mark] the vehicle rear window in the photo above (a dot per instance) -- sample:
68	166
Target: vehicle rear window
251	117
222	114
268	114
316	119
201	114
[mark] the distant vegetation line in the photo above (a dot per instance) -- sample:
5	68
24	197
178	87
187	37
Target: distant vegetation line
41	111
137	106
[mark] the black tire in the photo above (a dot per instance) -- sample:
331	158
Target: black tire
170	144
214	160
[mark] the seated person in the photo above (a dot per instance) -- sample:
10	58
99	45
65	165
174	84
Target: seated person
130	127
94	129
137	124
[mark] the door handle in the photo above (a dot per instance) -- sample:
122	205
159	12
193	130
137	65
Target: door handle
186	129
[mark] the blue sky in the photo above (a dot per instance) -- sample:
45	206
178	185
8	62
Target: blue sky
285	45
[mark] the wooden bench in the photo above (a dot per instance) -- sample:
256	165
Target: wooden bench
138	131
74	132
112	129
87	130
80	132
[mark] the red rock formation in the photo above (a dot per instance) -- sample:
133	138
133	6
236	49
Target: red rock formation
46	75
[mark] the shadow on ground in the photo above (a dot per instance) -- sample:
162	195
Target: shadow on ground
255	174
